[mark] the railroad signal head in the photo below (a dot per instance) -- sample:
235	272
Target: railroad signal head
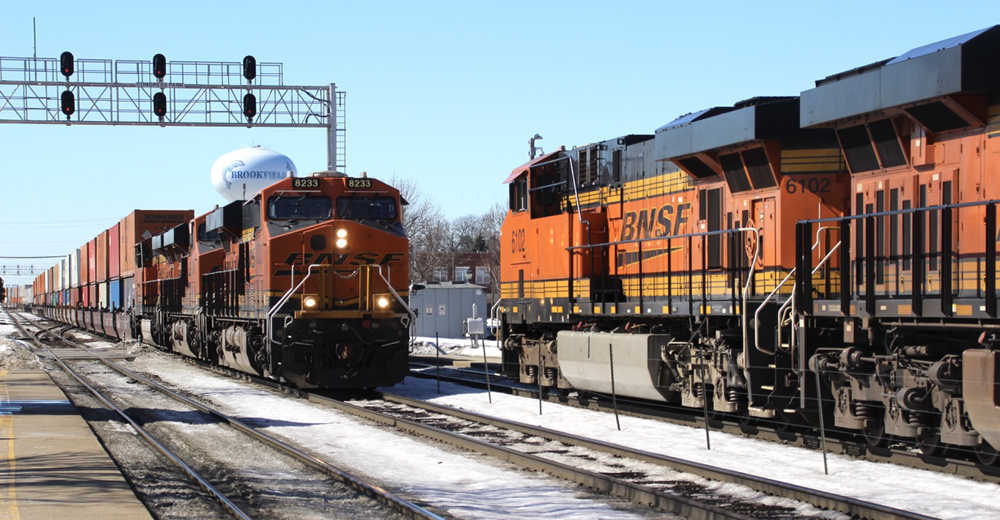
159	66
249	68
66	64
68	104
160	104
250	106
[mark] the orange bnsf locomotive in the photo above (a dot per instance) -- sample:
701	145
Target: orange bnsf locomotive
306	283
838	248
654	251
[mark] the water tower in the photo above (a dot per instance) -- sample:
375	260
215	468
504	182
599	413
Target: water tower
240	174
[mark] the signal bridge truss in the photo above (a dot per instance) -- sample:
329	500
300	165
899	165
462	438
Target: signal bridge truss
199	94
20	270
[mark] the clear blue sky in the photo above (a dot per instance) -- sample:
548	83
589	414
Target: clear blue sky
445	93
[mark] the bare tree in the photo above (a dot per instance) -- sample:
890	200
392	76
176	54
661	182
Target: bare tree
425	224
434	241
492	222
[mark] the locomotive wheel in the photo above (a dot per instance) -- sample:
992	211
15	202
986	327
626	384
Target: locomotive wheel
743	414
874	433
987	454
782	423
929	442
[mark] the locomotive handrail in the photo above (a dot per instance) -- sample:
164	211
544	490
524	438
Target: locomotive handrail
494	328
668	237
413	316
284	299
925	209
866	254
756	316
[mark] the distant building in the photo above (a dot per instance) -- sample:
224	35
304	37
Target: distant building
442	307
466	268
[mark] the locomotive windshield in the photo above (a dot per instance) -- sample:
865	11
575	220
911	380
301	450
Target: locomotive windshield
366	208
306	207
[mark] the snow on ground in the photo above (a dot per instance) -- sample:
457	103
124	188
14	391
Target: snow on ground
14	356
423	346
465	485
910	489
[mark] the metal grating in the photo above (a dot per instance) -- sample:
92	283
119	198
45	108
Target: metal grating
858	149
697	167
936	117
887	143
736	176
759	168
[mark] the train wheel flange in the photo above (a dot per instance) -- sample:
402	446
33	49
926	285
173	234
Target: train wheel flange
986	454
743	414
874	433
929	442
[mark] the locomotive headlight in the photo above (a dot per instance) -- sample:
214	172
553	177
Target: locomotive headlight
382	301
341	233
341	243
310	301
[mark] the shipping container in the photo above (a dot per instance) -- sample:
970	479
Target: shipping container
68	273
92	290
74	272
102	256
57	276
140	222
128	292
114	258
102	295
115	294
84	270
67	268
92	261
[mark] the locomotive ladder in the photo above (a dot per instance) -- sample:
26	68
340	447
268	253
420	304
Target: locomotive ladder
786	312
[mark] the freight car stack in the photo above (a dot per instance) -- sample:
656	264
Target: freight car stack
93	287
763	258
18	296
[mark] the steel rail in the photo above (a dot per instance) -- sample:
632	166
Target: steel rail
224	501
400	505
686	417
854	507
683	506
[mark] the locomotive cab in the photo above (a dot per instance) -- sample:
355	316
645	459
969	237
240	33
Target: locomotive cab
331	283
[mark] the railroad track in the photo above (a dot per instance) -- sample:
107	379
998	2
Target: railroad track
237	495
847	444
667	493
660	481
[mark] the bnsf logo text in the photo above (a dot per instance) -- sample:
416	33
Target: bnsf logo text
659	222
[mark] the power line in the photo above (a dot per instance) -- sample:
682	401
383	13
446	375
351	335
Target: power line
31	257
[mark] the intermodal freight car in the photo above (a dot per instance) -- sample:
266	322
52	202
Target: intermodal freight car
306	283
742	254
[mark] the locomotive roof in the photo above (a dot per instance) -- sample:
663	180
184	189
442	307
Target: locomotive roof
516	172
717	127
960	64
